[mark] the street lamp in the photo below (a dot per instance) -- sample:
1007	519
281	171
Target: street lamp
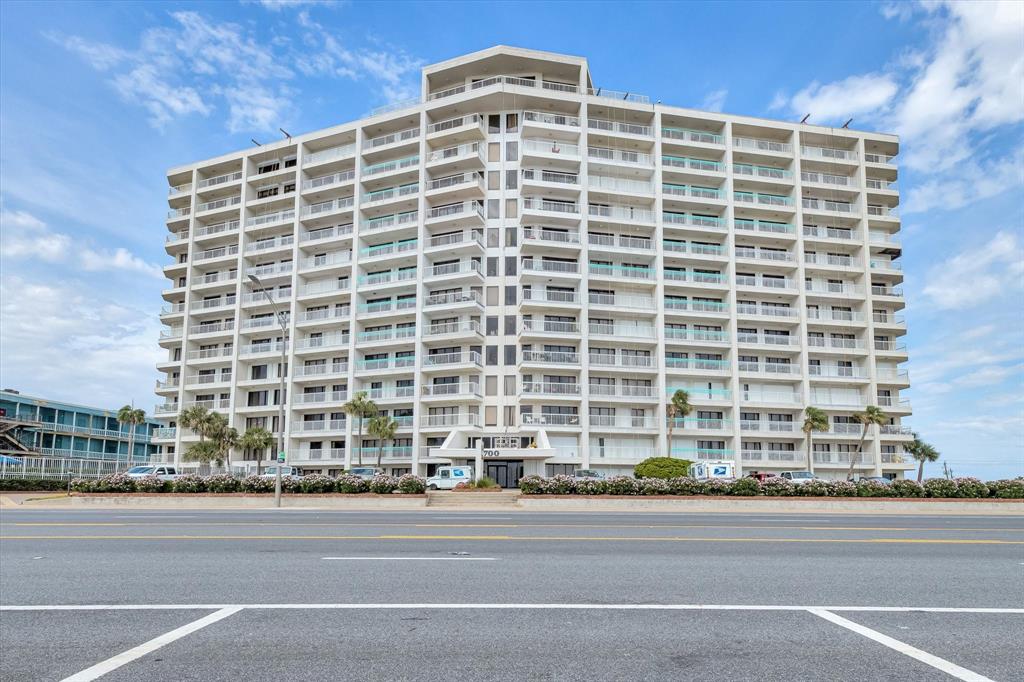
281	320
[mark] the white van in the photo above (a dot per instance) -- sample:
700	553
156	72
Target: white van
286	472
447	478
704	471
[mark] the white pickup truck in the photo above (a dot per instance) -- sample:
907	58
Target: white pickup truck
164	473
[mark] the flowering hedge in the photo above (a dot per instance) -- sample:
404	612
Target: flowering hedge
772	487
225	483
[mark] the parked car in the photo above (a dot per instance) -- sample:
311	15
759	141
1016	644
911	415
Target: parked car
447	478
877	479
164	473
587	475
798	477
286	472
365	473
761	476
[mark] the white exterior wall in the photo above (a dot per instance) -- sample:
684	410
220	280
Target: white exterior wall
585	441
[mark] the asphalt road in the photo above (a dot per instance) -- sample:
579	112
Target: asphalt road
588	596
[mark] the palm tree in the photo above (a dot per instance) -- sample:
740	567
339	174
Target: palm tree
194	418
679	406
815	419
383	428
258	439
216	440
360	407
133	417
922	452
870	415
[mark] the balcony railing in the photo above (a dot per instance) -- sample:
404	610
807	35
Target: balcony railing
460	268
550	388
219	203
691	220
623	301
457	180
326	233
762	145
540	265
553	147
331	154
829	232
828	153
378	250
447	328
763	199
453	210
681	334
691	191
624	330
389	277
324	341
551	357
332	313
635	214
458	388
828	179
441	359
386	221
327	259
453	123
389	334
391	193
552	236
551	119
550	176
452	298
267	244
627	271
391	166
768	339
626	156
614	184
449	420
391	138
763	309
321	370
216	253
687	135
550	326
501	80
329	180
768	172
826	205
618	127
768	426
220	180
325	207
268	218
631	361
456	238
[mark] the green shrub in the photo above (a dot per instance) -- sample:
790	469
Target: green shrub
940	487
351	485
316	484
776	486
662	467
560	485
970	487
904	487
220	483
1007	489
256	484
622	485
382	484
114	483
413	485
31	484
189	483
873	489
531	485
684	485
152	484
653	486
715	486
814	488
745	487
841	488
592	486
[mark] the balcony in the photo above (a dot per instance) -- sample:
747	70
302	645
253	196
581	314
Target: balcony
769	173
542	120
697	364
767	339
551	209
453	329
458	298
871	157
212	328
447	360
767	226
883	211
828	154
763	282
257	297
631	301
327	286
691	220
549	150
326	233
691	192
550	389
467	269
819	232
770	368
388	221
828	179
319	398
459	215
461	127
381	196
320	370
389	334
319	426
763	254
633	272
766	310
269	244
687	135
550	266
326	260
619	127
402	362
219	180
388	306
329	181
390	139
674	275
501	81
762	199
696	335
211	254
211	353
630	331
620	214
762	145
599	422
543	357
834	343
836	372
814	204
828	260
626	157
179	214
393	248
571	420
402	393
218	204
377	279
272	270
391	166
446	421
553	237
458	185
624	392
601	361
549	327
697	249
337	153
460	389
550	179
454	241
266	219
678	304
769	426
835	288
323	342
775	457
685	163
326	208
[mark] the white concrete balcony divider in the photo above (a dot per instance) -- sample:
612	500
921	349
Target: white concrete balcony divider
327	207
270	218
217	180
828	153
323	234
687	135
762	145
329	180
339	152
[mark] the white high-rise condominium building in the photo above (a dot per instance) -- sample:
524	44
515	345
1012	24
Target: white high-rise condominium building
524	267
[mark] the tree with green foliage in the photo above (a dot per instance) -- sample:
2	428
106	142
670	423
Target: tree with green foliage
922	452
870	416
383	428
257	439
679	407
662	467
360	407
133	417
194	418
815	420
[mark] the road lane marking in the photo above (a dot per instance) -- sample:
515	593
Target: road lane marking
929	659
515	606
408	558
521	538
115	662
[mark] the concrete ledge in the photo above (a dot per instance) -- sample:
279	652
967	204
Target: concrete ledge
747	505
245	501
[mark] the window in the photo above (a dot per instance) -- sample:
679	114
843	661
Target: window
510	325
510	294
511	179
510	356
491	415
510	266
510	385
511	123
492	266
491	385
492	325
511	208
493	236
510	416
493	180
494	123
511	236
492	295
492	356
512	150
494	151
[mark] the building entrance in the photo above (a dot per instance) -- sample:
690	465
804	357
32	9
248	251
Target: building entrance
505	472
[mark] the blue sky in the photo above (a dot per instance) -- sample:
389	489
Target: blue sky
98	100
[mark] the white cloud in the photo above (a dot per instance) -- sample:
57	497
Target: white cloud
278	5
198	66
24	237
901	10
844	99
96	349
973	277
971	182
715	100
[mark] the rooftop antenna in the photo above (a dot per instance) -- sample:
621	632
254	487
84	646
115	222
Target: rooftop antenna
804	119
255	142
286	134
848	122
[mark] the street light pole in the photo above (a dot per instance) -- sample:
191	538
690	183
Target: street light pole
280	397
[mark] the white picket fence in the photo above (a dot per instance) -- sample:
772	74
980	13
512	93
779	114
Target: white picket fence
61	469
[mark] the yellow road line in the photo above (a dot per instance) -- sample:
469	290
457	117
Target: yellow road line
75	524
947	541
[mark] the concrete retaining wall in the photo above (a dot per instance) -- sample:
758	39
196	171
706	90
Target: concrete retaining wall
242	501
748	505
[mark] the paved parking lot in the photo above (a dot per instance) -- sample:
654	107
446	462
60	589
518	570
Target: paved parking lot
486	596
